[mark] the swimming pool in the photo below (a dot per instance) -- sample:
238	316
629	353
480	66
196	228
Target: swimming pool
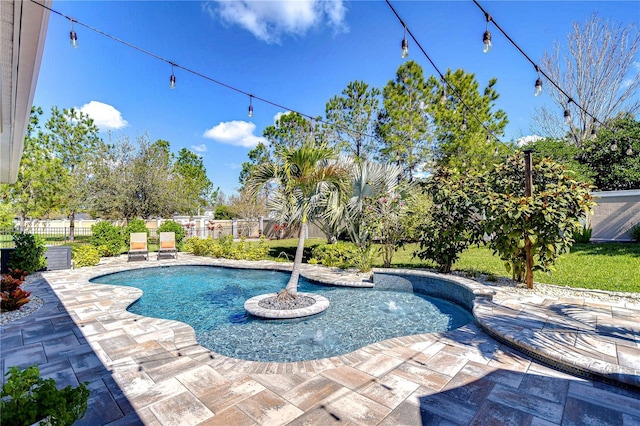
211	300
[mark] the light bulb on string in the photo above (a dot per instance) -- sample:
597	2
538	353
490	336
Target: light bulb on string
629	152
496	152
593	134
172	79
463	126
405	44
73	37
538	87
250	106
486	38
443	93
614	146
488	141
567	116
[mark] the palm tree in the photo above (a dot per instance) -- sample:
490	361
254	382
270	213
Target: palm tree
306	176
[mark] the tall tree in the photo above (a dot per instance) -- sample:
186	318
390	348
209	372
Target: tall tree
305	176
290	130
614	155
460	134
403	124
351	119
195	187
598	70
74	139
41	177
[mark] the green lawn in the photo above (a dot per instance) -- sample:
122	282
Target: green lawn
608	266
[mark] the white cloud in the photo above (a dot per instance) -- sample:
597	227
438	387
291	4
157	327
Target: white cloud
528	139
104	116
269	20
239	133
199	148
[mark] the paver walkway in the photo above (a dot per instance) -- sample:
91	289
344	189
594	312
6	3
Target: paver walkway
150	371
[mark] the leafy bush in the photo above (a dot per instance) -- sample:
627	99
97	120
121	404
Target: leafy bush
455	220
134	225
28	398
107	236
12	300
29	253
341	254
172	226
85	255
635	232
582	235
226	248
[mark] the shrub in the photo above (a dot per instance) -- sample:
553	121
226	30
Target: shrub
29	253
108	237
8	283
635	232
18	274
341	254
27	398
582	235
172	226
226	248
134	225
201	246
85	255
14	299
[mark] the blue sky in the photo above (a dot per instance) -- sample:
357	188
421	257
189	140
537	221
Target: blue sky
294	53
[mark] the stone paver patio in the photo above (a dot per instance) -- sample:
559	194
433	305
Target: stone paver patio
151	371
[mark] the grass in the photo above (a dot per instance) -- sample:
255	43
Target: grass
607	266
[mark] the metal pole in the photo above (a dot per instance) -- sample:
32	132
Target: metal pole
528	192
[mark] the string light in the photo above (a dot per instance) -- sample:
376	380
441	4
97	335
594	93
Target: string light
443	93
614	146
550	80
593	134
567	114
463	127
629	152
488	141
172	79
73	37
496	152
250	106
405	44
486	38
538	86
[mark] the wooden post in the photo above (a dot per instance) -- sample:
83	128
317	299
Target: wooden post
528	192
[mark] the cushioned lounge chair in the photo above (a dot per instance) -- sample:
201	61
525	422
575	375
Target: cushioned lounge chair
167	244
138	245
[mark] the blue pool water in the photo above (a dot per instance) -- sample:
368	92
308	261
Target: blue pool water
211	300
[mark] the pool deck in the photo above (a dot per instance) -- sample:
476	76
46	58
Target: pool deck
150	371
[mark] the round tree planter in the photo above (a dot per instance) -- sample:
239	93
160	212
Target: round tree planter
251	306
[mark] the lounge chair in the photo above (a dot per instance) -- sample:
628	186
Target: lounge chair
138	245
167	244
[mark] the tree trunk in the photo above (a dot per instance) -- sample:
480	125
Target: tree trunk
72	218
292	285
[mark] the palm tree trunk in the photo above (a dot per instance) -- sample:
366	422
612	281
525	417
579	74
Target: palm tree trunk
292	285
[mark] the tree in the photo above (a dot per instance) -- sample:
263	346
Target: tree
459	131
258	155
598	71
351	119
563	153
613	154
193	184
246	206
455	218
383	219
403	124
546	220
74	139
305	175
290	130
41	176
